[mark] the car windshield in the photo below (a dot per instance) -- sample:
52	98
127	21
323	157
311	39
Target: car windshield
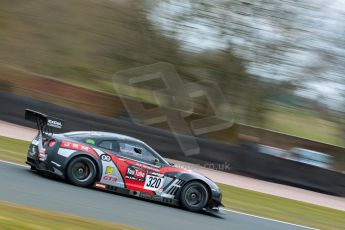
161	159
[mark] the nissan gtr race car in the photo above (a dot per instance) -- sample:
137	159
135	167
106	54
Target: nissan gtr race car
117	163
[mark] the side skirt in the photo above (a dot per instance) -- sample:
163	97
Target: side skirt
134	193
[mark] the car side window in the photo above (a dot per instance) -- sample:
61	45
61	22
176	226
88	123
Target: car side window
136	151
109	144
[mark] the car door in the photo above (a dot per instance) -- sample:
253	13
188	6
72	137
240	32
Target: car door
112	167
142	172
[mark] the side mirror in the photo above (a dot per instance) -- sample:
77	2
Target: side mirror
170	163
156	161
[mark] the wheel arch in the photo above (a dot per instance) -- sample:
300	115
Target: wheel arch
188	178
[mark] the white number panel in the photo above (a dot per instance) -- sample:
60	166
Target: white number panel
153	183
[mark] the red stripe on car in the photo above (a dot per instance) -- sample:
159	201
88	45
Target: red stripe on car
80	147
123	164
170	169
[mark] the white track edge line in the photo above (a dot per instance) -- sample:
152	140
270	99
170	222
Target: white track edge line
12	163
224	209
265	218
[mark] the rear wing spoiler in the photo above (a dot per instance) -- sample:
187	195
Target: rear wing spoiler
45	124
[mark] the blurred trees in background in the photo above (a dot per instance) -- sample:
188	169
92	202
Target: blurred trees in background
263	54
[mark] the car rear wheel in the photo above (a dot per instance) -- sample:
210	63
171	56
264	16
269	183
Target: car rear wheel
82	171
194	196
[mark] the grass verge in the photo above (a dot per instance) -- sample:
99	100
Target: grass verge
13	150
283	209
238	199
13	216
304	124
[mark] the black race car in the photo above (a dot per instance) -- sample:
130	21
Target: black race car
118	163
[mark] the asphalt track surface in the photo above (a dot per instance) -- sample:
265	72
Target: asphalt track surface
22	186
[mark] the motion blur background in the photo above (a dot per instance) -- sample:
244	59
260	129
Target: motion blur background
280	64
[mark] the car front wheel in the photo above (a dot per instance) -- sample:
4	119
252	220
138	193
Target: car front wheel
194	196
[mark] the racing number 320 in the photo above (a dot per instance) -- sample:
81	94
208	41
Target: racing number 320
153	182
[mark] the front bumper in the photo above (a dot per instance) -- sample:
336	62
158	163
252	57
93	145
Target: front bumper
216	200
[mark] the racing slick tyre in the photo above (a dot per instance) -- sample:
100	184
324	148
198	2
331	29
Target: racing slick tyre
81	171
194	196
